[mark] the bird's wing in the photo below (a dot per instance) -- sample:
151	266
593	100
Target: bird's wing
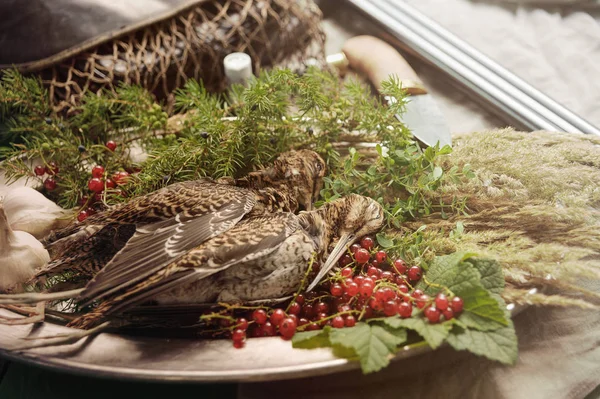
247	241
154	246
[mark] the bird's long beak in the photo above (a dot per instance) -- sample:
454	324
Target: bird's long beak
334	256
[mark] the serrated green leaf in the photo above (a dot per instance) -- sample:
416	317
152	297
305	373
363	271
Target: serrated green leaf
373	344
383	241
482	311
450	271
500	345
490	270
434	334
311	339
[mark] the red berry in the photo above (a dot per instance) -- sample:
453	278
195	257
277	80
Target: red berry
403	288
359	279
344	308
375	304
390	308
448	314
302	322
50	184
120	177
259	316
98	171
387	276
415	273
405	309
294	317
51	168
308	310
322	307
457	304
98	196
345	260
337	290
346	272
432	314
90	211
96	185
388	294
362	256
379	295
110	183
224	322
277	316
366	289
367	243
368	280
321	318
441	302
294	308
238	335
238	344
83	200
381	256
242	324
268	329
82	216
111	145
372	271
400	266
313	327
300	299
39	170
350	321
417	294
375	263
355	247
422	301
337	322
351	288
401	279
287	328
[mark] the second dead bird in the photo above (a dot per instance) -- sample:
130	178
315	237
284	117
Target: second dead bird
160	226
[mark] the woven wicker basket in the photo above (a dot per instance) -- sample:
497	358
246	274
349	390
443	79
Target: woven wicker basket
190	40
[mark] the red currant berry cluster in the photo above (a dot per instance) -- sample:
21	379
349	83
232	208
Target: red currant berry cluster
367	285
441	306
51	169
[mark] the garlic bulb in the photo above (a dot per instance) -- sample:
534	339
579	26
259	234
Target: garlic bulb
29	211
20	255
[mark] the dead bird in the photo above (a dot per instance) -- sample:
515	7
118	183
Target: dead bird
260	257
169	222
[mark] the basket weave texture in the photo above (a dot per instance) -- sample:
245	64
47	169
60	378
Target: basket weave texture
192	44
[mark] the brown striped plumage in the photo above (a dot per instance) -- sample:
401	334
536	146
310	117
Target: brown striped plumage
260	257
184	214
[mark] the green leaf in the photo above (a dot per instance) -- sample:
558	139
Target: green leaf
311	339
482	311
373	344
434	334
500	345
437	173
384	241
490	270
450	271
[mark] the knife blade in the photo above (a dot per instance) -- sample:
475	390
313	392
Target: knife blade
377	60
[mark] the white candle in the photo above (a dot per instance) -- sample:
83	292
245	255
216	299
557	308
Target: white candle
238	67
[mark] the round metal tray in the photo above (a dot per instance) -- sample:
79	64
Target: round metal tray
177	359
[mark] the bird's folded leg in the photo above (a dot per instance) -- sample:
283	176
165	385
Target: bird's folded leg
61	339
34	314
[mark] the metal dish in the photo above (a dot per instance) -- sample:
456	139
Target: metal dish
180	359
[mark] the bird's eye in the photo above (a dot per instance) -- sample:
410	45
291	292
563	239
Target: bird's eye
319	166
